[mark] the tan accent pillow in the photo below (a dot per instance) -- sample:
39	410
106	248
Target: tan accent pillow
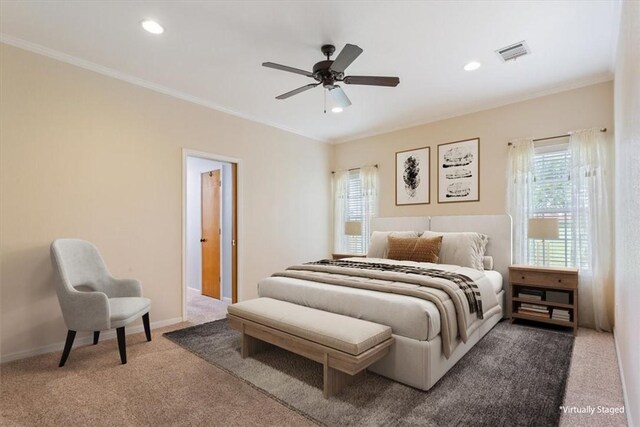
378	243
414	249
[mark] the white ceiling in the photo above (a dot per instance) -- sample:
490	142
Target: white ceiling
211	53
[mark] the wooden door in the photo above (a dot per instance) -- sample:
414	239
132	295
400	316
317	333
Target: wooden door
210	240
234	233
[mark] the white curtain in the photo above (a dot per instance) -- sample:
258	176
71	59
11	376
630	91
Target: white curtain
340	194
519	194
369	178
366	205
592	243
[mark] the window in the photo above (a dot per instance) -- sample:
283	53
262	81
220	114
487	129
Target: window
354	212
551	197
572	184
355	195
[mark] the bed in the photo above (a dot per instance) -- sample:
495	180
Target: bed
429	338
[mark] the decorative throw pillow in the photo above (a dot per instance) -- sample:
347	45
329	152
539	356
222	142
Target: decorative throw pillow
487	261
378	242
463	249
414	249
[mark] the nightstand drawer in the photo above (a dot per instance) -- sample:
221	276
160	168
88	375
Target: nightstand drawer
569	281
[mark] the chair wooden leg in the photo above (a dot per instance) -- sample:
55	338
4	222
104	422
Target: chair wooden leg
96	337
71	335
147	328
122	345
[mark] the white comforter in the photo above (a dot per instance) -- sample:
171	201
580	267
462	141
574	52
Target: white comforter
408	316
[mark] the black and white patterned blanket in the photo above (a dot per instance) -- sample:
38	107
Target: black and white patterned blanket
468	286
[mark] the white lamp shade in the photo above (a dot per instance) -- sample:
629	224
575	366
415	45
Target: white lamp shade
543	228
353	228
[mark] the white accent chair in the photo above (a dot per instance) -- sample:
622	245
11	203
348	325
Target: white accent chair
91	299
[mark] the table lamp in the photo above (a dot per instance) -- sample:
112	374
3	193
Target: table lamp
353	228
543	229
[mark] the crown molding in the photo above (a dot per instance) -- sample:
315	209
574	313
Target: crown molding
109	72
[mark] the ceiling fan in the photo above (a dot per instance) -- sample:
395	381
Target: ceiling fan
328	72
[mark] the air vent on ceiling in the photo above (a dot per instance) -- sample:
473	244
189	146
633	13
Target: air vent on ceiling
513	51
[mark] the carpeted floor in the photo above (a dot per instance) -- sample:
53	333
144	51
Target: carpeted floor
594	380
166	385
202	309
161	385
516	375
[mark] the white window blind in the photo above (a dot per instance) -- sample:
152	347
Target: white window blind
354	212
552	199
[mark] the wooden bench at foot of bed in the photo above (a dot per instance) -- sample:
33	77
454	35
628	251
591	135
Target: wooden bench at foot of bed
344	345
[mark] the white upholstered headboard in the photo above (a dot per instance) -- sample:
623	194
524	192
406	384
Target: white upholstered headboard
497	227
401	223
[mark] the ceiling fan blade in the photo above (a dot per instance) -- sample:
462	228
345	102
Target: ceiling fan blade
297	91
347	55
339	96
286	68
371	80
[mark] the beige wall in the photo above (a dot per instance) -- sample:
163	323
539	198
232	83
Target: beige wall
84	155
88	156
627	198
546	116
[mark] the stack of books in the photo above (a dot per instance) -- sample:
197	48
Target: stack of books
561	314
534	310
531	294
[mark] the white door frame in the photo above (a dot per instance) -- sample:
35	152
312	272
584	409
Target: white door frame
239	212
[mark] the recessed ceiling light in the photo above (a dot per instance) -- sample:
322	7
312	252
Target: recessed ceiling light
152	26
473	65
336	110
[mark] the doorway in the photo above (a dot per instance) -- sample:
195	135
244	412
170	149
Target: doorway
211	231
210	243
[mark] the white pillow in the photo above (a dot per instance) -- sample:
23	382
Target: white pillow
464	249
378	242
487	261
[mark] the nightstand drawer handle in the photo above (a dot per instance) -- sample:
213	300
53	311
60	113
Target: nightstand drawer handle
559	280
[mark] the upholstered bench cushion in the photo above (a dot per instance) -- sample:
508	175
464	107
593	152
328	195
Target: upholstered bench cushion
347	334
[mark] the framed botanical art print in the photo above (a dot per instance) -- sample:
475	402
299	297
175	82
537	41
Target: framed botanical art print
459	171
413	177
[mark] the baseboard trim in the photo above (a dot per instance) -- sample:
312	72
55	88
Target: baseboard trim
627	408
84	340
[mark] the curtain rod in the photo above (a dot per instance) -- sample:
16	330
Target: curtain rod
556	137
354	169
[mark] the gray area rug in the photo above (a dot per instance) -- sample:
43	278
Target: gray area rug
515	376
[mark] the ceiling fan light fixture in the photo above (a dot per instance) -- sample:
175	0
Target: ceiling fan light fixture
471	66
328	72
152	26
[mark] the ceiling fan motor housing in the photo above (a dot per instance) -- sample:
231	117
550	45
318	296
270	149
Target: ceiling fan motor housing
322	73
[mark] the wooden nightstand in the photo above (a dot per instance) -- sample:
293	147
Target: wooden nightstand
536	291
340	256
